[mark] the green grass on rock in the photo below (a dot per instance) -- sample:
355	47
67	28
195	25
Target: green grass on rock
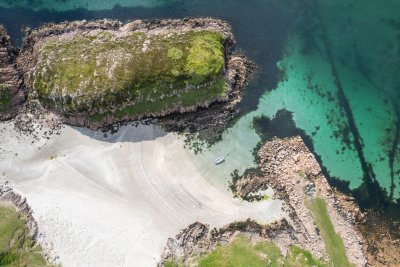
134	73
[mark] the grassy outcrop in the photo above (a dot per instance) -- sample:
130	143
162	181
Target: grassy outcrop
241	252
117	73
16	246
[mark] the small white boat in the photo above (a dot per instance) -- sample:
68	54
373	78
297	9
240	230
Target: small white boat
219	160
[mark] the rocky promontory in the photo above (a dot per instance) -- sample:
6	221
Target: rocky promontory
98	73
319	219
295	175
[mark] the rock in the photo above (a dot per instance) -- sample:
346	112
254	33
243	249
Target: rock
188	242
108	101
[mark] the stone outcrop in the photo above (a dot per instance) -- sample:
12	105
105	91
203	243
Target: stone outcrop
208	116
11	94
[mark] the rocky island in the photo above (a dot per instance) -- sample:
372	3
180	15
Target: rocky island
99	73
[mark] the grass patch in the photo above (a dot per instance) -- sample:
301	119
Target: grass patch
333	242
135	73
241	252
16	246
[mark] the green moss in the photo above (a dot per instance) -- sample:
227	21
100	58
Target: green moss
16	246
333	242
92	73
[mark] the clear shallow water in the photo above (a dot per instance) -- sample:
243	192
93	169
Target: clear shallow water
334	64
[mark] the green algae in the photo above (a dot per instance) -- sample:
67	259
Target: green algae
98	73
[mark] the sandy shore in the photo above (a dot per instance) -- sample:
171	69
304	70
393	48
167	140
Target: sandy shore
114	201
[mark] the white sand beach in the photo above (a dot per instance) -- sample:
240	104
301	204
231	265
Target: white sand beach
114	201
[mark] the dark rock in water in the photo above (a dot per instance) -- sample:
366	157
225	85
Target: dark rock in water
11	94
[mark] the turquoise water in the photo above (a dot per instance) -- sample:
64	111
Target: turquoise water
334	64
349	56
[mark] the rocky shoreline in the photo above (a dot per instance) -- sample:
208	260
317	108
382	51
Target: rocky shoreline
292	171
11	83
208	117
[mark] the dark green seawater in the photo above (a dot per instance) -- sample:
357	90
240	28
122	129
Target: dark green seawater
334	64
